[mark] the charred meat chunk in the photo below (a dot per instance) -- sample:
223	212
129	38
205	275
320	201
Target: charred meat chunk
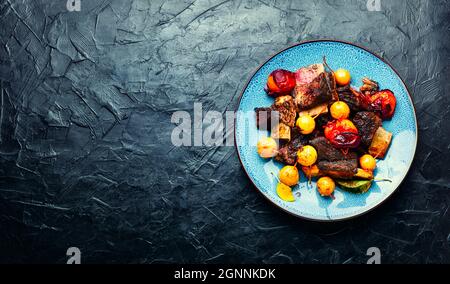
286	109
367	123
322	120
343	169
288	153
369	86
315	93
307	74
334	162
282	111
354	99
327	152
263	118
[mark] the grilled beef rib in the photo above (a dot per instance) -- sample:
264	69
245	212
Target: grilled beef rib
367	123
334	162
315	93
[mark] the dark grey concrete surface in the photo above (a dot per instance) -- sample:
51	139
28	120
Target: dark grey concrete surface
86	158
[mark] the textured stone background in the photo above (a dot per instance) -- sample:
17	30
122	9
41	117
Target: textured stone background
85	152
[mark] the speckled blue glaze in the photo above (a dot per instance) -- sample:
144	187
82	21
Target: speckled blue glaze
403	125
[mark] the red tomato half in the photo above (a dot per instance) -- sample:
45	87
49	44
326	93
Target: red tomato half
384	102
342	133
280	82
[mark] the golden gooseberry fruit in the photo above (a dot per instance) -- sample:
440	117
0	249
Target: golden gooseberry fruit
267	147
285	192
339	110
342	77
289	175
368	162
306	124
307	156
326	186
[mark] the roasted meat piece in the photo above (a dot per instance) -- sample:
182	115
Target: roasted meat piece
321	121
334	162
263	117
286	109
369	86
288	153
343	169
354	99
327	152
283	110
307	74
319	91
367	123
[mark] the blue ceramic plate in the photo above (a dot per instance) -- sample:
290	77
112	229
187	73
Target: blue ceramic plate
361	63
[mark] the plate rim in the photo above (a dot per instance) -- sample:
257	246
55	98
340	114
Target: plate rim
415	123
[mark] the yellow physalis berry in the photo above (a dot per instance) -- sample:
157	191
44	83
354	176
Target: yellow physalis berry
342	77
306	124
326	186
307	156
368	162
339	110
289	175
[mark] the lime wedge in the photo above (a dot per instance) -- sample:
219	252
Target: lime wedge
355	186
285	192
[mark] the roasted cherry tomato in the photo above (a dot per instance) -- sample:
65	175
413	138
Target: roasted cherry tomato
384	102
342	133
280	82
